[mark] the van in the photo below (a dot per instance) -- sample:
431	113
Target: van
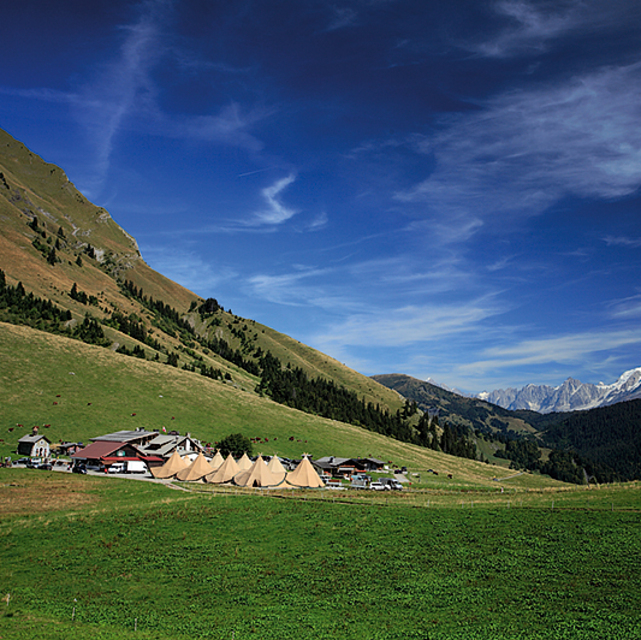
117	467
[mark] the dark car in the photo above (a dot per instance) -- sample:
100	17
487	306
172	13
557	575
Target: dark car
34	463
46	466
79	468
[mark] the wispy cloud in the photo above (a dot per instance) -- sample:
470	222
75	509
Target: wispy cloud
319	222
410	325
532	27
276	212
229	126
627	309
341	17
576	348
622	241
525	150
187	268
122	85
122	93
302	286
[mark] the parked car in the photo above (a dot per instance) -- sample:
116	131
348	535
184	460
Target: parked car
79	468
394	484
22	460
46	466
136	466
117	467
386	484
33	463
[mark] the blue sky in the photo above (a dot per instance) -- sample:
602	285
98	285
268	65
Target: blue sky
447	190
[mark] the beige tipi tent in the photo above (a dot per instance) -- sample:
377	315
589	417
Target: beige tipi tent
244	463
197	470
275	466
174	465
225	472
216	461
259	476
305	476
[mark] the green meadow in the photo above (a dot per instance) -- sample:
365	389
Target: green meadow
82	391
113	558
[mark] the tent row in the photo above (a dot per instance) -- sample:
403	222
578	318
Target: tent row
242	473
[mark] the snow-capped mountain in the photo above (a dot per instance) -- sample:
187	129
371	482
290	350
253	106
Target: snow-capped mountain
572	395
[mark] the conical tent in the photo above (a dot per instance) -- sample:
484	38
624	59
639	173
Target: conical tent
216	461
197	470
259	476
305	476
225	472
174	465
275	466
244	463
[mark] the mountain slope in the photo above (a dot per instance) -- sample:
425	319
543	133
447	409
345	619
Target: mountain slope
41	212
74	391
471	412
572	395
607	435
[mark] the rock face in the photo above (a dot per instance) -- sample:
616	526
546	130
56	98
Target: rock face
572	395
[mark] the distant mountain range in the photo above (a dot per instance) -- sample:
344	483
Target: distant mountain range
571	395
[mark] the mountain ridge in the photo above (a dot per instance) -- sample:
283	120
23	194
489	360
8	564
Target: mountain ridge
55	241
570	395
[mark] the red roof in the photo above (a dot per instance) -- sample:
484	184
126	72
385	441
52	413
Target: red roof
110	459
98	449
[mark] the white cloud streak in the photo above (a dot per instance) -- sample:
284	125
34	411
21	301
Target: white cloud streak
622	241
409	325
527	149
276	212
567	349
534	26
121	86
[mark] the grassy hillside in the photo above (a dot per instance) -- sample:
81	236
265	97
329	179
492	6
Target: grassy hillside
117	559
82	391
98	256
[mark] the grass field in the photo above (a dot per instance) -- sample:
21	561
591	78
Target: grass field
113	558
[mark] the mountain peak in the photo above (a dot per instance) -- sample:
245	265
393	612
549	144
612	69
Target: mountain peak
571	395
